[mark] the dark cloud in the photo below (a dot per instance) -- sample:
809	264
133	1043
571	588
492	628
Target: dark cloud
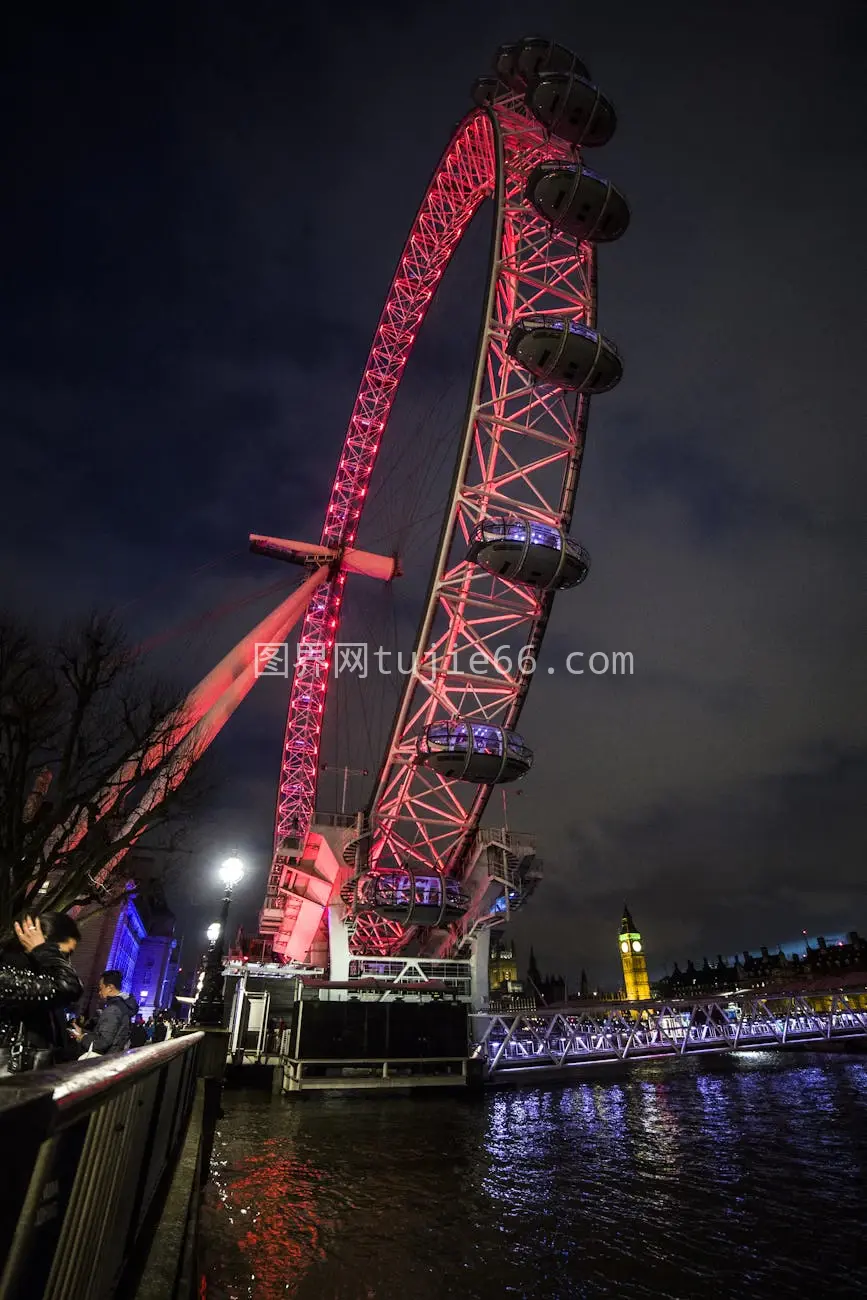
760	862
205	211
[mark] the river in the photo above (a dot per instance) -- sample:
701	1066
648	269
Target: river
732	1178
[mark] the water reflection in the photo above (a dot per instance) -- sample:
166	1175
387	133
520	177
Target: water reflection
731	1178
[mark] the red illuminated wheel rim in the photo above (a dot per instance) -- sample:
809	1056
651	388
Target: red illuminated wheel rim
520	451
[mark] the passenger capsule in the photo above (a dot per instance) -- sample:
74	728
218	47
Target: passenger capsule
523	550
480	752
578	201
565	353
409	897
505	61
520	64
537	56
485	90
572	108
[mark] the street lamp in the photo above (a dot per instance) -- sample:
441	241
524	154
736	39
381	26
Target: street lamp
231	872
209	1004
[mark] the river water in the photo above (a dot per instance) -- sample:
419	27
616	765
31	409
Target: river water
736	1178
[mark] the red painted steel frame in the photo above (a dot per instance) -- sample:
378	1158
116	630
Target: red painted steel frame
521	451
464	177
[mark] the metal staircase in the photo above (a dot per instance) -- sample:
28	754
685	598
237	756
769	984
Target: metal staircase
503	872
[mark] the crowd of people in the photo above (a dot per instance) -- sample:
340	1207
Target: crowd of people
155	1029
40	991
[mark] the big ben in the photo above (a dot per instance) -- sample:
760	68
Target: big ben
633	960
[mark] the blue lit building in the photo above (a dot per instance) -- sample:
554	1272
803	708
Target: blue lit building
156	972
129	932
137	937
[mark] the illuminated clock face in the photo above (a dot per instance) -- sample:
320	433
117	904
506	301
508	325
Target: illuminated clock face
636	946
624	947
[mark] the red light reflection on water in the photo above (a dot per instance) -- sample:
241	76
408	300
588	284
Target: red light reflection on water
266	1205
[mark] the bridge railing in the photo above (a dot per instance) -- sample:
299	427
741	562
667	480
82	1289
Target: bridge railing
89	1150
516	1040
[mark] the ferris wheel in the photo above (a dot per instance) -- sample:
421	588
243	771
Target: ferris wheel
504	549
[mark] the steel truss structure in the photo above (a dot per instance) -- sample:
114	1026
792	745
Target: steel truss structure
390	975
518	463
511	1044
519	453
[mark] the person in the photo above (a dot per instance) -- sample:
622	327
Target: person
138	1035
112	1030
37	984
71	1048
161	1028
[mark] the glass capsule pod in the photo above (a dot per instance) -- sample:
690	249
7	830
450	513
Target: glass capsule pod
523	550
565	353
410	897
578	201
520	64
572	108
480	752
485	90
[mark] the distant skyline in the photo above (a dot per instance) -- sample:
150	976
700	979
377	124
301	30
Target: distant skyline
658	969
202	227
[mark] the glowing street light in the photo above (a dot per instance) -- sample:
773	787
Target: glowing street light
231	872
208	1009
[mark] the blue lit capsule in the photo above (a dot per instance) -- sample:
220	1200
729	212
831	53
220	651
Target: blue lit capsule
480	752
523	550
566	353
409	897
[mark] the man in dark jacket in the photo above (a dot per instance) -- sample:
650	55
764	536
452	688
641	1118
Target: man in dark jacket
111	1033
36	982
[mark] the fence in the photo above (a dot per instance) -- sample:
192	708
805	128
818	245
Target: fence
89	1153
515	1043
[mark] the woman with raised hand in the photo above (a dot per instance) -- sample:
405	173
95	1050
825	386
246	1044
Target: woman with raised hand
37	982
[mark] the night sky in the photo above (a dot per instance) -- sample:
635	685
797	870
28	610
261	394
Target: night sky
204	205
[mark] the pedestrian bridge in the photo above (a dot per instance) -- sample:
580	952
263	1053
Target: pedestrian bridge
512	1045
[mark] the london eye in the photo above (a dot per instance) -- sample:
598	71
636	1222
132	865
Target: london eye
404	879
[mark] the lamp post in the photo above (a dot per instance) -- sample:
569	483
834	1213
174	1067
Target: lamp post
209	1004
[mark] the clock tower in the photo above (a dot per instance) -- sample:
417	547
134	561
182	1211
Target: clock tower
633	960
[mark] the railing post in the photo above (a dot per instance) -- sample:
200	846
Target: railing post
686	1037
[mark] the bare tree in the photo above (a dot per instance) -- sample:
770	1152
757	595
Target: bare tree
94	756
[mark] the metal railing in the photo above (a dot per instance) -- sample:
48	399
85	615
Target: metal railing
92	1147
515	841
514	1041
357	1073
339	820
